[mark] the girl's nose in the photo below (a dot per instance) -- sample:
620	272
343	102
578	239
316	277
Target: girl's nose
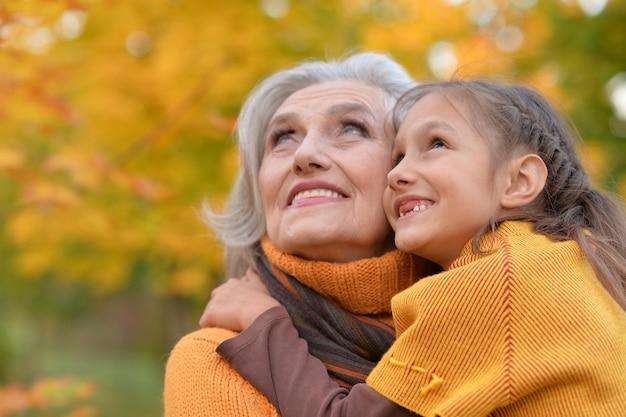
311	155
399	176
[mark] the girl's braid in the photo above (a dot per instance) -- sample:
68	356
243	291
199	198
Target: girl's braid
541	130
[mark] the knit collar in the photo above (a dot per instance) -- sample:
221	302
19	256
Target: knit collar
361	287
490	242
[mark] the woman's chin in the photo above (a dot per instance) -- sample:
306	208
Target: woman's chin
328	248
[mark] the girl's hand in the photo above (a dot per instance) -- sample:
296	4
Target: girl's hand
237	303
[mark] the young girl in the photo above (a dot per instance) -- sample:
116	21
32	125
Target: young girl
528	317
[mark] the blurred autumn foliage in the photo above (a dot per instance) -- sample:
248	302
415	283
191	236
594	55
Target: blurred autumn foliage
57	395
115	122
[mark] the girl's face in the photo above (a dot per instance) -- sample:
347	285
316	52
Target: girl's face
442	189
323	173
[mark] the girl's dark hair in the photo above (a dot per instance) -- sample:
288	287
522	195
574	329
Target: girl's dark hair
518	118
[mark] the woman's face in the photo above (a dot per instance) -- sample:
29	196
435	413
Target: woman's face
324	170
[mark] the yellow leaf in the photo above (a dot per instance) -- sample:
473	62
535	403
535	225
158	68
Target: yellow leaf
33	261
11	158
594	158
149	189
187	281
46	194
110	276
621	187
85	172
25	225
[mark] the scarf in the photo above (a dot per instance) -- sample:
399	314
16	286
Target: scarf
342	310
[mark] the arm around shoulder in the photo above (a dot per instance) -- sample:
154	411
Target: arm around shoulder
272	356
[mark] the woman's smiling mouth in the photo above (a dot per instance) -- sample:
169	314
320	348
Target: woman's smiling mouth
317	192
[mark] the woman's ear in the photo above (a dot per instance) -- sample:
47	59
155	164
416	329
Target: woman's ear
526	178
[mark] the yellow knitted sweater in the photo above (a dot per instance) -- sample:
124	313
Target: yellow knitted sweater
524	330
200	383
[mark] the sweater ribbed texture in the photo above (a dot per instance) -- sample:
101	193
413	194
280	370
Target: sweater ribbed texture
525	330
200	383
362	287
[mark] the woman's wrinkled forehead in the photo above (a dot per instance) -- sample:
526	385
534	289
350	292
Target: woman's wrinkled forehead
335	100
335	96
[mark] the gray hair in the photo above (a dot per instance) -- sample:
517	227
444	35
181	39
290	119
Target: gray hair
242	223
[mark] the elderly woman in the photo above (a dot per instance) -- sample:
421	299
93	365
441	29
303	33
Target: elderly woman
305	212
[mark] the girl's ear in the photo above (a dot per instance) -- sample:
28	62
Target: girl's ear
526	178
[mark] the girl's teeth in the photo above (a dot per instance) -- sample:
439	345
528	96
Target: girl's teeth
419	207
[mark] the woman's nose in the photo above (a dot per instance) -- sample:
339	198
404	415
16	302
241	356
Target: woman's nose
311	155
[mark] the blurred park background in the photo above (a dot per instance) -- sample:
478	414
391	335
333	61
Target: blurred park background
115	122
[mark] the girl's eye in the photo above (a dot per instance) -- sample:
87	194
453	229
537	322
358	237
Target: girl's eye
437	143
355	128
395	161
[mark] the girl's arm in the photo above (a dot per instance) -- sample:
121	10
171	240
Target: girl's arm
272	356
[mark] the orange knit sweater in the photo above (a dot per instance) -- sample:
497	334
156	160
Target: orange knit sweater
199	383
525	330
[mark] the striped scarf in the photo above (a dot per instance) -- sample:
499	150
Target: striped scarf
343	311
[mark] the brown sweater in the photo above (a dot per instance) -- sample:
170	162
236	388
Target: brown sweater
198	382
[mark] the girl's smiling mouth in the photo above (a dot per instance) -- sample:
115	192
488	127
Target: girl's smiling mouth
407	207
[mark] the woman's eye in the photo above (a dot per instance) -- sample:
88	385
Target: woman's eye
281	136
355	128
